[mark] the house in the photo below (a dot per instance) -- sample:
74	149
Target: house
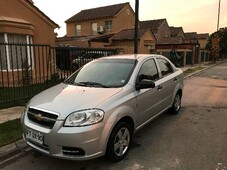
176	32
159	28
125	39
202	40
91	23
113	27
23	18
22	27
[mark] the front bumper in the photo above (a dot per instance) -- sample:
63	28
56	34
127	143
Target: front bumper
76	143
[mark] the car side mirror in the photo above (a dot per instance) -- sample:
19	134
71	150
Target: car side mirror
145	84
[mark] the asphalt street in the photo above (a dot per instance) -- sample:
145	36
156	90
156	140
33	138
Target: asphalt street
195	139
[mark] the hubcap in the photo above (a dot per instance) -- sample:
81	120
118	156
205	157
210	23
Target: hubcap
177	102
121	141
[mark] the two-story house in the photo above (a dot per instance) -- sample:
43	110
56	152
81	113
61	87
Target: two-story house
90	23
109	26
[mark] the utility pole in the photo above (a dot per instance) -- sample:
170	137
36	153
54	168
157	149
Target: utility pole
136	27
219	9
218	38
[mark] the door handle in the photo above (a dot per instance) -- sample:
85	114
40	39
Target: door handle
159	88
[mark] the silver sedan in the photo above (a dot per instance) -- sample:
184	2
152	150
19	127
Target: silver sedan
97	110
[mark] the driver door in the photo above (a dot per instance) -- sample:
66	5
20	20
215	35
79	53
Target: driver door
147	99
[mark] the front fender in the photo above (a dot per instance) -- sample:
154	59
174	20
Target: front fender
114	118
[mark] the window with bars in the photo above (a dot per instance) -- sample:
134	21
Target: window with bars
16	51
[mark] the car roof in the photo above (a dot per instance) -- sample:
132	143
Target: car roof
132	56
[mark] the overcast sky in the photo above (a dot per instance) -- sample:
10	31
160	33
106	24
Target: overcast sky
193	15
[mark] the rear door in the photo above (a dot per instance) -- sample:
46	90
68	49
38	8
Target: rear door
166	84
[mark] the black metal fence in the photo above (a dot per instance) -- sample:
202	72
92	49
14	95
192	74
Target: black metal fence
25	70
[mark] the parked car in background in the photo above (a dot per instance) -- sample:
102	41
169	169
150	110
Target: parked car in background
65	55
72	58
85	58
97	110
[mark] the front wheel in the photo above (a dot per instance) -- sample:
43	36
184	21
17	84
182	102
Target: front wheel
119	141
176	104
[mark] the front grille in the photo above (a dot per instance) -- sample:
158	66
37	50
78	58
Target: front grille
42	118
73	151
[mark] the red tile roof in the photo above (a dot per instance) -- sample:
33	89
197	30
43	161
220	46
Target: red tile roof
95	13
128	34
171	40
203	36
195	36
190	35
102	38
175	30
151	24
73	38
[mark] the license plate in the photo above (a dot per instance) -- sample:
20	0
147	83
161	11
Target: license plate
34	136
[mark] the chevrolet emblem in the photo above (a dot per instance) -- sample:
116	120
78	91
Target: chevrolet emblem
39	117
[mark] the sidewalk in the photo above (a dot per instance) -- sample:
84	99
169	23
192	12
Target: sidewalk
18	148
10	113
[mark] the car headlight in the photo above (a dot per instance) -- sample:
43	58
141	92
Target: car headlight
84	118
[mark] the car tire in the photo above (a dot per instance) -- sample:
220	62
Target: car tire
119	142
176	104
75	67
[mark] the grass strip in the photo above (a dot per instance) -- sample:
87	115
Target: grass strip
192	70
10	132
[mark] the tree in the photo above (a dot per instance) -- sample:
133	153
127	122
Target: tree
221	34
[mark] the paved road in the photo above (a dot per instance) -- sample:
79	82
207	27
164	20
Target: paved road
208	89
195	139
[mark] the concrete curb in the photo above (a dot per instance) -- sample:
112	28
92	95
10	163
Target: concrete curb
206	68
12	151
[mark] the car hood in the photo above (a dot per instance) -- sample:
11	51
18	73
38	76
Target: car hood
65	99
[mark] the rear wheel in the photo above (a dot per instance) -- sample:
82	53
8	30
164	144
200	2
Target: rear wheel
176	104
119	141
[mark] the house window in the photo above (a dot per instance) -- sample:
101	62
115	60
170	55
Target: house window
78	29
94	27
109	25
15	51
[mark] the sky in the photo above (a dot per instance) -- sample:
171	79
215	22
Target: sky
193	15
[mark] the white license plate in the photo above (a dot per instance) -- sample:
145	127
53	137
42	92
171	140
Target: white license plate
34	136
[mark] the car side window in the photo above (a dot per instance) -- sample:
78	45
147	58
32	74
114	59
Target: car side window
165	67
148	71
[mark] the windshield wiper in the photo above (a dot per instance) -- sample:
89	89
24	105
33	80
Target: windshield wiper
89	83
68	81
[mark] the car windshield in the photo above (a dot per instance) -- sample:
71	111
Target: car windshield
104	73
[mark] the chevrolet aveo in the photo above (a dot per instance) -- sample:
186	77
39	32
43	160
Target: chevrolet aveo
98	108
